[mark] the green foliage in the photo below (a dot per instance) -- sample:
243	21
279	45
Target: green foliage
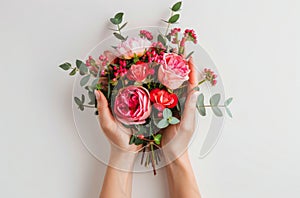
217	111
65	66
189	55
163	123
85	80
73	72
161	39
200	105
228	101
228	112
157	138
215	99
173	120
118	18
174	18
167	113
176	7
80	102
119	36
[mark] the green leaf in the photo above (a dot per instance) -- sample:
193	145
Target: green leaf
176	6
82	98
95	82
228	101
157	138
79	63
73	72
163	123
174	18
77	101
161	39
83	69
189	55
132	139
65	66
91	97
85	80
201	110
217	111
228	112
119	36
167	113
81	107
200	100
215	99
173	120
119	16
123	25
114	21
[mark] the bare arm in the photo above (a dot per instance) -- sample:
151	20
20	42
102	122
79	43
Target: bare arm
181	179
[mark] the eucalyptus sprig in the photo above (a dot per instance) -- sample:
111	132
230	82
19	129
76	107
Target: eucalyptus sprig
214	105
167	119
117	20
174	16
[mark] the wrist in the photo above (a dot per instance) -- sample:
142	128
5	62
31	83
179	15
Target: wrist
121	159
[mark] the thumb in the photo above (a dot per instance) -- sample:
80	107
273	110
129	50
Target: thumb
188	116
104	114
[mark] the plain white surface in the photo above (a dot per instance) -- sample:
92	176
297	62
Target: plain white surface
256	47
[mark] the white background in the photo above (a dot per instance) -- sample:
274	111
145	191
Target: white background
255	45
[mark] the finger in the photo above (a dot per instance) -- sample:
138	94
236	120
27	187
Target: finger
192	75
188	116
104	114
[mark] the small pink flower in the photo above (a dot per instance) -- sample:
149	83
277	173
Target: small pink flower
139	72
174	71
132	105
210	76
146	34
133	47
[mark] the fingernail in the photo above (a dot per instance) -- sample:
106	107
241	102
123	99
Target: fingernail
97	94
195	96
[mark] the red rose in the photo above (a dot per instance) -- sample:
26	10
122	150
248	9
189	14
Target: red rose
163	98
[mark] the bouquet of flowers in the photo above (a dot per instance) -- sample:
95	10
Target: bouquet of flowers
145	81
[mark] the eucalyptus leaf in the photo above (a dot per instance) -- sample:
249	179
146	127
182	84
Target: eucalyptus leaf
73	72
189	55
163	123
176	6
215	99
91	97
200	100
77	101
173	120
114	21
132	139
82	98
85	80
201	110
228	112
217	111
228	101
79	63
167	113
95	82
119	16
174	18
81	107
161	39
65	66
83	69
119	36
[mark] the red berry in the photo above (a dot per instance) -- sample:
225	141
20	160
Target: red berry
141	136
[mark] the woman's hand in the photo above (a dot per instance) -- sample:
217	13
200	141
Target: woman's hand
175	138
122	153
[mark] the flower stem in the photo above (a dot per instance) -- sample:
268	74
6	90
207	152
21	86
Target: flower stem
88	106
168	26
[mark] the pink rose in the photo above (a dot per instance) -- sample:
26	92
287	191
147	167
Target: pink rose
139	72
132	105
174	71
132	46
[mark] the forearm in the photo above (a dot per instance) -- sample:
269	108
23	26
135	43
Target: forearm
181	179
118	178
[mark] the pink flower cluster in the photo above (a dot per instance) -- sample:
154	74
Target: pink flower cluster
146	34
175	31
190	35
210	76
121	70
